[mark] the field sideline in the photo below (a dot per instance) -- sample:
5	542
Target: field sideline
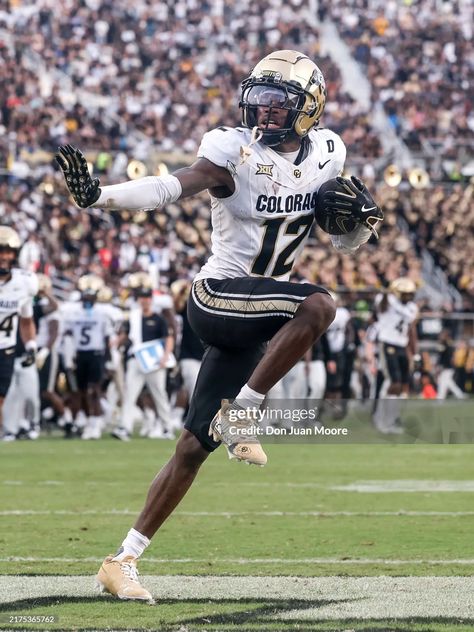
326	537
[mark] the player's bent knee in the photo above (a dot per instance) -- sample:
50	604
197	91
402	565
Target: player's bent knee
320	307
189	452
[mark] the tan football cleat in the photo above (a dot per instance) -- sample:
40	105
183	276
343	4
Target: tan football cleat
239	435
120	578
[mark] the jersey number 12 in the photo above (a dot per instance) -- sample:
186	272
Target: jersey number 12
284	262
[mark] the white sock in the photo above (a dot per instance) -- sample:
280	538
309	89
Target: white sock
134	544
249	397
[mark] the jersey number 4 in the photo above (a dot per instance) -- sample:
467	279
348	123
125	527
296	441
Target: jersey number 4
7	324
300	227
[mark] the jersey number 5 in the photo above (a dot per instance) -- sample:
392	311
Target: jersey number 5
299	227
85	335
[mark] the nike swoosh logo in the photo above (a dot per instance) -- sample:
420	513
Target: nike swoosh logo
324	164
366	210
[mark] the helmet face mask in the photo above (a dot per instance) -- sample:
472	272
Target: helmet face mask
88	298
283	81
89	286
273	109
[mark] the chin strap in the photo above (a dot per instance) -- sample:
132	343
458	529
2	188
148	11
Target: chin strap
245	151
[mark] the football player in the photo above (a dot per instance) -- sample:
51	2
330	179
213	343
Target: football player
30	379
396	333
263	179
22	407
89	328
17	290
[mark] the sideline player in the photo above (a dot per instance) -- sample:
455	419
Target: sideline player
88	325
17	290
396	326
262	179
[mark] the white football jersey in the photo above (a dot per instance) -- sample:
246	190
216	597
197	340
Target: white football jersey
336	333
42	335
89	326
262	227
16	299
394	323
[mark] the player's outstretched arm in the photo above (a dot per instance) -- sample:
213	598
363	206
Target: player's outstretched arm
147	193
82	187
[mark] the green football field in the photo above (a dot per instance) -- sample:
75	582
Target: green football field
326	537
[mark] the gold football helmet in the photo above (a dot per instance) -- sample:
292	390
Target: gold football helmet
139	279
9	238
90	284
403	288
9	241
105	294
288	80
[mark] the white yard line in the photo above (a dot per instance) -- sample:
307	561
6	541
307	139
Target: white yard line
327	597
364	486
405	485
255	561
236	514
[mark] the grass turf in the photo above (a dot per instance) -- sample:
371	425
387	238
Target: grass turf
53	475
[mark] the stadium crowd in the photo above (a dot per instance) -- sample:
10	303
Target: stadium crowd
120	77
418	59
122	81
142	80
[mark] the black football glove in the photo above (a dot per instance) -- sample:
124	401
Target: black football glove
28	358
82	187
355	197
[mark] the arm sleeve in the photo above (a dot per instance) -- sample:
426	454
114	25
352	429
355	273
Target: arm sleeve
146	194
350	242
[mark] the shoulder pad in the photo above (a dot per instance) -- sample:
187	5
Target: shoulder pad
222	145
332	143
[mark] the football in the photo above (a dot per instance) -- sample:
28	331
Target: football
333	220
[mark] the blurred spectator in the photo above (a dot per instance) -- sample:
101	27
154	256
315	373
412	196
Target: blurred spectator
124	81
418	59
